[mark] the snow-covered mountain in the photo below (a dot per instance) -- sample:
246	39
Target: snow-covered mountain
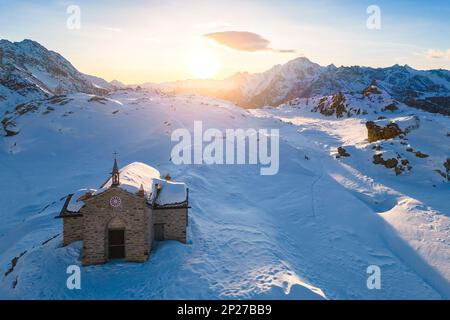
429	90
30	71
363	181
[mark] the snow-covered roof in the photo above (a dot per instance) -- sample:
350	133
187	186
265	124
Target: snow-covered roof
134	175
76	200
168	192
157	191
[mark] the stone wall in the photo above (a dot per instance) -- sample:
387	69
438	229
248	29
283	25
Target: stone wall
150	230
72	229
175	222
133	215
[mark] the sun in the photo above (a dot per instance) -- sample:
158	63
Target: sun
203	65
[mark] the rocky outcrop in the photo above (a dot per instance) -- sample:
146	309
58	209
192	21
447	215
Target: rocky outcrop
342	152
389	163
399	165
445	174
375	132
336	106
435	104
421	155
7	123
25	108
371	89
10	118
390	107
14	263
98	99
447	164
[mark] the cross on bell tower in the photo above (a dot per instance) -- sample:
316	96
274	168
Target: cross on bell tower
115	172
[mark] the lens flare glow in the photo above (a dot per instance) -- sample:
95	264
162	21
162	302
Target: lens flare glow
203	65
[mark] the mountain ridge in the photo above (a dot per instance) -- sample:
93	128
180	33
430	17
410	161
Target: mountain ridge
302	78
28	70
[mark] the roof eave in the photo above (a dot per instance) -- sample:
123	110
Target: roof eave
69	215
180	205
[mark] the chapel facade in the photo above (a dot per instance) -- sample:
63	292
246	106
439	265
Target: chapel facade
122	219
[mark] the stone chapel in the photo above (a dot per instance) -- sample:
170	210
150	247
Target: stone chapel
123	218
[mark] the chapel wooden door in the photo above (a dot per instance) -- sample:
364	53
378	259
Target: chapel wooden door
159	231
116	243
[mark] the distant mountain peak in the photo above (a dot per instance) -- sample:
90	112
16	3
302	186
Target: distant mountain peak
302	59
30	42
29	70
301	62
26	44
302	78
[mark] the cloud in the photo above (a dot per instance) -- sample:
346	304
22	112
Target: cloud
285	50
438	54
243	41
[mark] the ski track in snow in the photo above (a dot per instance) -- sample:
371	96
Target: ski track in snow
306	233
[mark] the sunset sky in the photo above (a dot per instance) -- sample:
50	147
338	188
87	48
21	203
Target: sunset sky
142	41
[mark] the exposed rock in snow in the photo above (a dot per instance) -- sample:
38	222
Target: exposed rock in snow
334	106
375	132
371	89
342	152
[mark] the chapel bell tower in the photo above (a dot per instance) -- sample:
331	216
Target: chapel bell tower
115	173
